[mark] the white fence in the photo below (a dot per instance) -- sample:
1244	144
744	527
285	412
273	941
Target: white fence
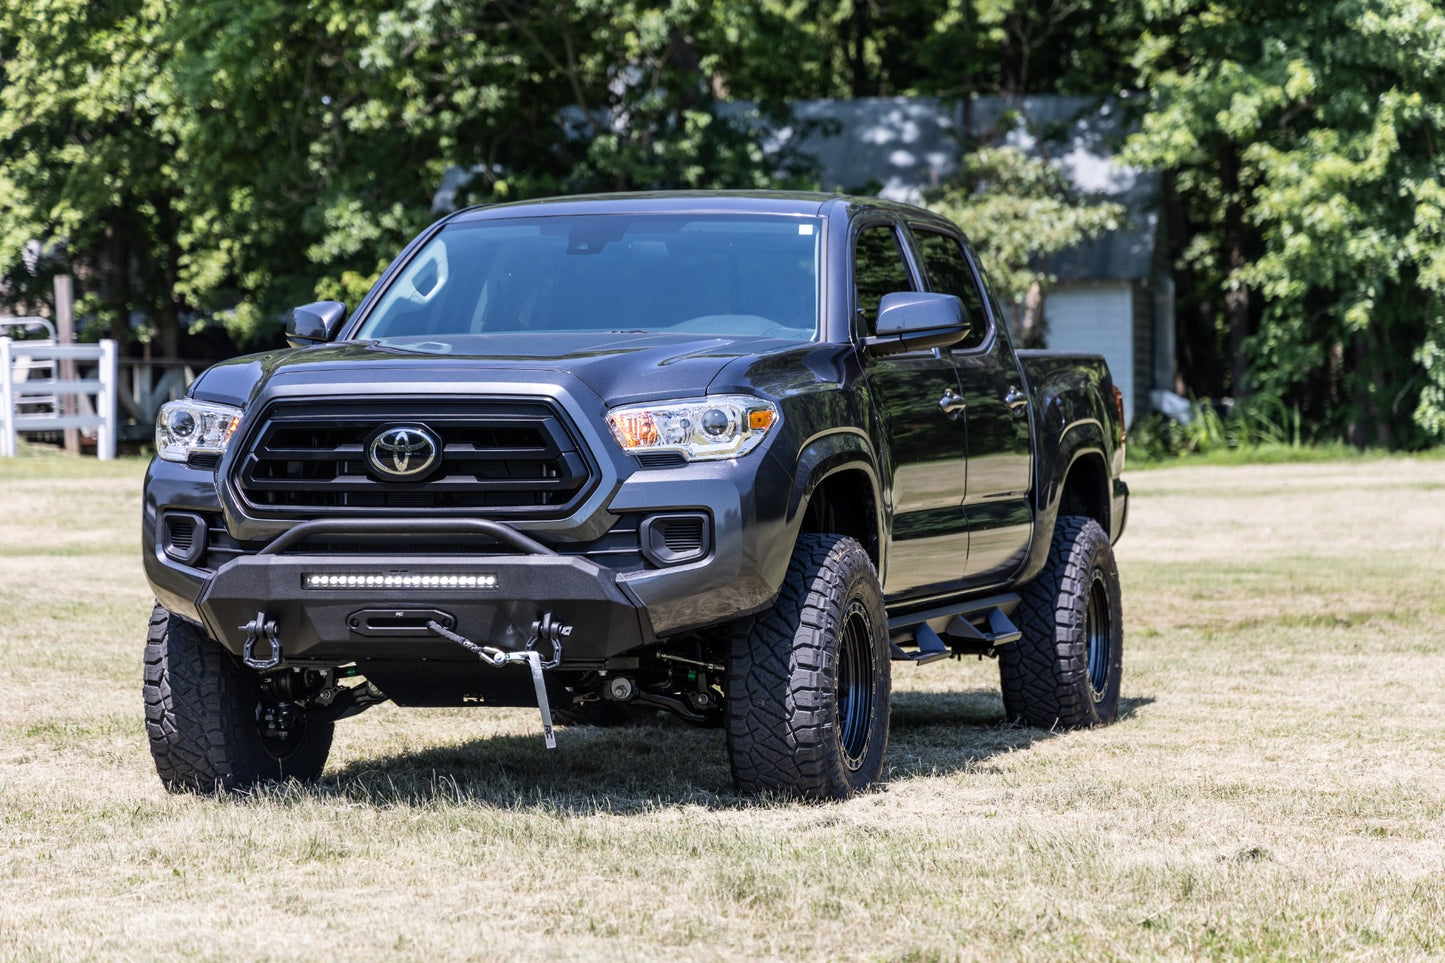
146	384
49	387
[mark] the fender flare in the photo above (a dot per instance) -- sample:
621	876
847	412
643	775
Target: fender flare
828	454
1078	440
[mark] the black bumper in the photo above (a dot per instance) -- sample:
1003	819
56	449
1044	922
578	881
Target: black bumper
334	609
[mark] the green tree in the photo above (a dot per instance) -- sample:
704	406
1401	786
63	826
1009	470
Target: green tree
1019	211
530	99
85	163
1302	140
223	159
777	50
284	185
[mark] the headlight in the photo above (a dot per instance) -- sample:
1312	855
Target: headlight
701	429
194	427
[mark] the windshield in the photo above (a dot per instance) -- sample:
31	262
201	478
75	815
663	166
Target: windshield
723	275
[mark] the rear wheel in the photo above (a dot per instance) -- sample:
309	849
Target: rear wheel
1064	671
209	728
809	680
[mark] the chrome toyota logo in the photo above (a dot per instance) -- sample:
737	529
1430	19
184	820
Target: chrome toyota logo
405	452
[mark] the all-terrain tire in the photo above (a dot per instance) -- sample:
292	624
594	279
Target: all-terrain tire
201	709
809	679
1063	673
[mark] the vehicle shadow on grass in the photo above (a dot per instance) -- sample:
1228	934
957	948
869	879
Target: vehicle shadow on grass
941	733
629	769
658	764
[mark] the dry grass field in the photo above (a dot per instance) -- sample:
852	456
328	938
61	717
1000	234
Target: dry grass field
1274	790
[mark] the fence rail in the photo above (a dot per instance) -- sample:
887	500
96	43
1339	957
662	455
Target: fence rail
38	393
147	384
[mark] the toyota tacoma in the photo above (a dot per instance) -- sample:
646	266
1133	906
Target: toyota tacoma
728	455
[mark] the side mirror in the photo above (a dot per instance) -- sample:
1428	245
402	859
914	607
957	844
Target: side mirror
914	320
315	323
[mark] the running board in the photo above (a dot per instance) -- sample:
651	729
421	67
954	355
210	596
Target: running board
978	628
931	648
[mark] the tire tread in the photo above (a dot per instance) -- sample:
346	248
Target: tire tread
1044	675
198	707
780	706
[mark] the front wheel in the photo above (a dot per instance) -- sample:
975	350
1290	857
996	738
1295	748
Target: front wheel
809	680
1064	671
204	717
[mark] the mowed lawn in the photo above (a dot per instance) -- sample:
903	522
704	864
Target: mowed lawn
1275	788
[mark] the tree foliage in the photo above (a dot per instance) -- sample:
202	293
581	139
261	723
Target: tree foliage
1303	141
1020	211
85	167
219	161
202	166
207	164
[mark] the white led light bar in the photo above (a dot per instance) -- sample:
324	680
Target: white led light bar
346	580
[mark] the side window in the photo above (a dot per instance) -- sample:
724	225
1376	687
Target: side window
878	269
949	273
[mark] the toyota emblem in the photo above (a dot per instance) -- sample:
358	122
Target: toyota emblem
405	452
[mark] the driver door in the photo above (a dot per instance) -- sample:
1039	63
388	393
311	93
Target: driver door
928	547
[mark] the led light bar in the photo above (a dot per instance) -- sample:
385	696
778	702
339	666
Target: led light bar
347	580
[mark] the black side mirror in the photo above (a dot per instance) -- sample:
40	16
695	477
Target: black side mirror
914	320
315	323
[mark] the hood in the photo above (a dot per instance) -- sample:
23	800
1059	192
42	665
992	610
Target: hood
619	368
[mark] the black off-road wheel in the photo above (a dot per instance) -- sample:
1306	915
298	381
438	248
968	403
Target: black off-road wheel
809	680
202	712
1063	673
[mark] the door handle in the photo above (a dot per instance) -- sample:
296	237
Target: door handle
952	404
1016	399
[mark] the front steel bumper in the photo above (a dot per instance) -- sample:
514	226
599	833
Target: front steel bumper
336	608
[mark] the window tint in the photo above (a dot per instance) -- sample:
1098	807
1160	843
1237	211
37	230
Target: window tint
949	273
878	269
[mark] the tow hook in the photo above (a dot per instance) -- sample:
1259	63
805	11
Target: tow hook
256	630
543	628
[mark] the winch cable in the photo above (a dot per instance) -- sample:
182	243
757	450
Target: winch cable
497	657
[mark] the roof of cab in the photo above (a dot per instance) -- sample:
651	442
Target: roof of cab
800	203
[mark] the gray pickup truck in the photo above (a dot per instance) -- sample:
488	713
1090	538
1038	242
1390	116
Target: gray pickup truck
728	455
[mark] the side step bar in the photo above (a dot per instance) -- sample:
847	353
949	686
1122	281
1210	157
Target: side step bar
977	628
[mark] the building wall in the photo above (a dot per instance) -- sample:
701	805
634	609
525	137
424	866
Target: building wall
1142	313
1098	318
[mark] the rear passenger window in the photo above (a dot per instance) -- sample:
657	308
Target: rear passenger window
949	273
878	269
